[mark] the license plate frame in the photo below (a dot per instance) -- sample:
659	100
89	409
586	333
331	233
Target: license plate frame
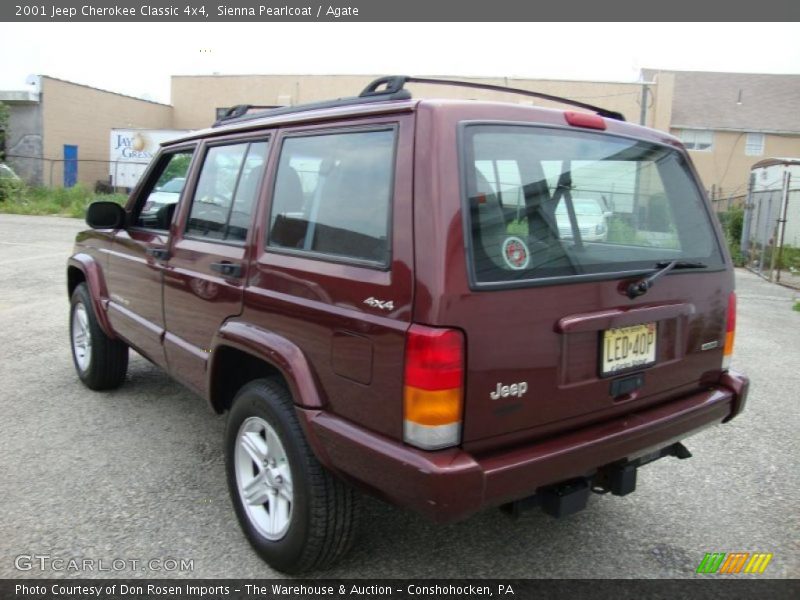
640	353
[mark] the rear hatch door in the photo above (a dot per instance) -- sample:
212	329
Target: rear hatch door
561	223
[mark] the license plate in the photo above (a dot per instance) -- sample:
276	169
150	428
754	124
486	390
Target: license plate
628	347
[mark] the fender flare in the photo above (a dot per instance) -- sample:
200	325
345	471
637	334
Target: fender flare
274	350
93	276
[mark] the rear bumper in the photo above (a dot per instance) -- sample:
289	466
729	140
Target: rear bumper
449	485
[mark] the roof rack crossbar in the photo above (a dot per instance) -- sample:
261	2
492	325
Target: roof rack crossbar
393	88
395	83
234	112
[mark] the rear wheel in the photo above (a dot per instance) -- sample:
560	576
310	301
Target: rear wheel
294	513
101	362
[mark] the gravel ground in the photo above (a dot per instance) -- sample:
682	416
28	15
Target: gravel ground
138	474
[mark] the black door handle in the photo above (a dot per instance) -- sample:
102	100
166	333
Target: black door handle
228	269
158	253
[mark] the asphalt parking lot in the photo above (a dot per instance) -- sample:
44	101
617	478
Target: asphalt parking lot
137	473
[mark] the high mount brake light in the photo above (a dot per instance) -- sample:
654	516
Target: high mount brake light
580	119
433	390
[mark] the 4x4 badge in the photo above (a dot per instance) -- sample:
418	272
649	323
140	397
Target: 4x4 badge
383	304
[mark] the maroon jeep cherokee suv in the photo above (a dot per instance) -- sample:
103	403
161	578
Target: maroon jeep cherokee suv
449	304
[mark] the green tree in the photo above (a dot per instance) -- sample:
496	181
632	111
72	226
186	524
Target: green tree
177	167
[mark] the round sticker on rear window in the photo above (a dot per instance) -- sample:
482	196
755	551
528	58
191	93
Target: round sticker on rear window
516	253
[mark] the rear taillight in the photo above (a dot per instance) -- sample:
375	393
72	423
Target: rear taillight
433	390
730	330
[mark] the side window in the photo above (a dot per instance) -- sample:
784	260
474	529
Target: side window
162	198
226	191
332	195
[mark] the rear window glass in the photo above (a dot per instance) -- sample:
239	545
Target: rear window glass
549	203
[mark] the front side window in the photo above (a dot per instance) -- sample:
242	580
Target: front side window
547	203
162	197
226	191
697	139
332	195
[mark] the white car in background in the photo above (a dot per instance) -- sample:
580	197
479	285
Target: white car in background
7	172
167	194
591	216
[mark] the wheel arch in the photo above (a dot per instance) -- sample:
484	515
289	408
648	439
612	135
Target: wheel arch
83	268
242	352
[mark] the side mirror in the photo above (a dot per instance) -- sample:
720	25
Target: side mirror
105	215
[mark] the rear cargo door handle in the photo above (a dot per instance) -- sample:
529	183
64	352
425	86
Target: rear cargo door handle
158	253
228	269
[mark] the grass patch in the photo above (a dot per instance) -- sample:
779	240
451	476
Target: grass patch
21	199
796	305
518	227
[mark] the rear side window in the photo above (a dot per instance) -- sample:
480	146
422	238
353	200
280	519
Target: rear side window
547	203
332	195
226	191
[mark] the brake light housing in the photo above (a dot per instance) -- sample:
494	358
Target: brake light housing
433	387
587	120
730	332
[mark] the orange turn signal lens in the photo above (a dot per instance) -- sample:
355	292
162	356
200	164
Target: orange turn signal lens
730	331
431	408
728	343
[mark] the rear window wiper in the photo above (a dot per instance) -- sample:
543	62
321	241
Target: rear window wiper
638	288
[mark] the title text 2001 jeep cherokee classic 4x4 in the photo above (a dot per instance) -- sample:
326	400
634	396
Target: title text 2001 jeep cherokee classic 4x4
405	296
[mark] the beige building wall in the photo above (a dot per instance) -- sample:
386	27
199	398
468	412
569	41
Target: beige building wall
726	167
659	101
196	98
82	116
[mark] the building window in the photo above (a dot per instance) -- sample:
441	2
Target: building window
697	139
754	145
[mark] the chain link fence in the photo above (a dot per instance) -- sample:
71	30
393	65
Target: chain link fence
722	205
99	175
770	241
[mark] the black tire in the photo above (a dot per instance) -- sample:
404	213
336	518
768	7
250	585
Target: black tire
107	358
322	525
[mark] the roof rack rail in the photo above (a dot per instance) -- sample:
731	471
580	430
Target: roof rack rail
393	88
378	96
395	83
234	112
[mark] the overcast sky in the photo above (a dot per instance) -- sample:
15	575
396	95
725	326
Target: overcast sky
138	58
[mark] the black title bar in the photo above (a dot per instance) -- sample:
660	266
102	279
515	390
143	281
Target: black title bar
371	11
